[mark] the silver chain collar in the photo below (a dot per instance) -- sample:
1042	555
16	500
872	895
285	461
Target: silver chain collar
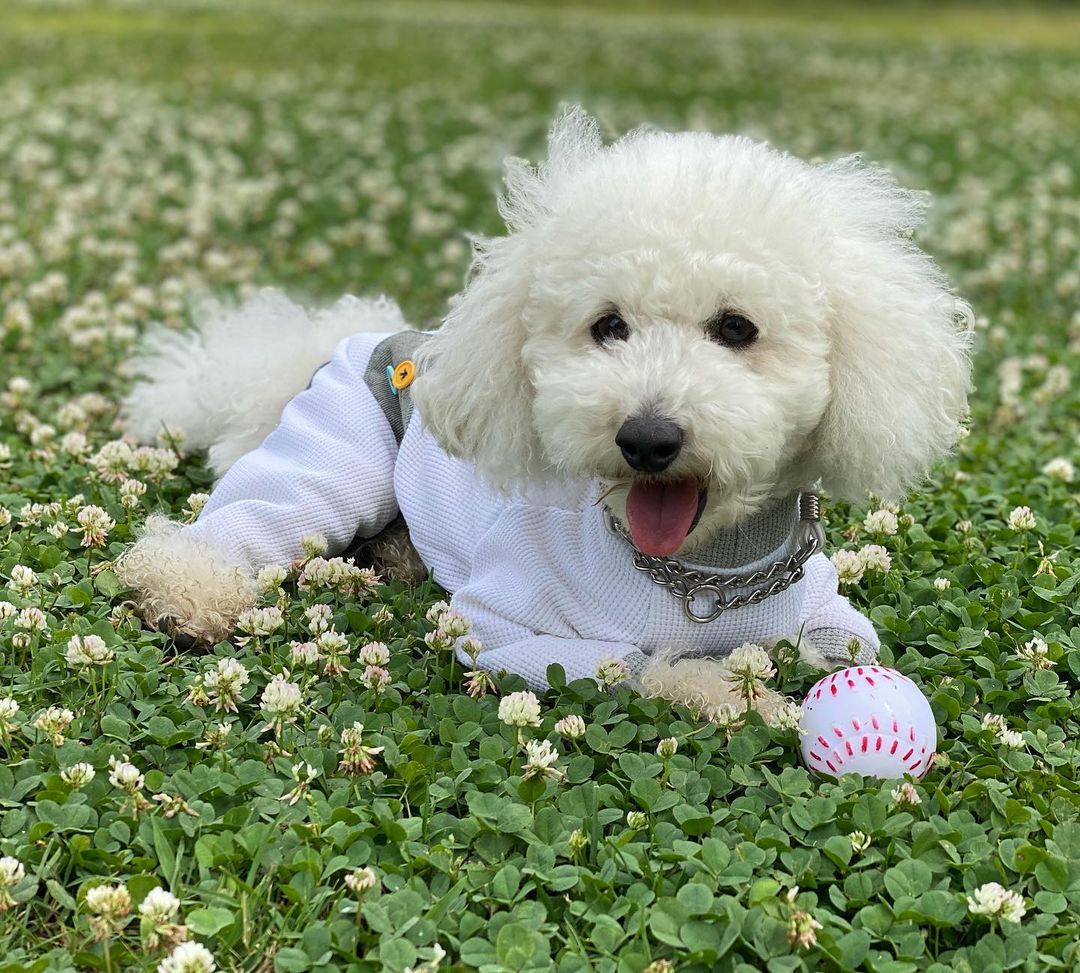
687	585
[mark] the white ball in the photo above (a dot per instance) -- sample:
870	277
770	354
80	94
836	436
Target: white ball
867	720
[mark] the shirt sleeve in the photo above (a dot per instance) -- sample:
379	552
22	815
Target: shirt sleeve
328	468
831	622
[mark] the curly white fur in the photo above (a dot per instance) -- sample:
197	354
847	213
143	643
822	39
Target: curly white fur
224	382
185	582
858	377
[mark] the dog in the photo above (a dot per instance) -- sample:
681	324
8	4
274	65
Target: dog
610	448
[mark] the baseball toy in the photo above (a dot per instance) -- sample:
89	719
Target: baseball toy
867	720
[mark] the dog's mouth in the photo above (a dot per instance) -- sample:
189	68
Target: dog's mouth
662	513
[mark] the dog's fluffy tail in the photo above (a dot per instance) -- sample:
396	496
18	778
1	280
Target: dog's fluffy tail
224	383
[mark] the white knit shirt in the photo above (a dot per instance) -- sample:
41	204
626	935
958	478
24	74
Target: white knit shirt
538	573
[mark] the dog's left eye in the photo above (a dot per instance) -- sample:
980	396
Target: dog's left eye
730	328
611	327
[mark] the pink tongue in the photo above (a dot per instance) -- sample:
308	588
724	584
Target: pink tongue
660	515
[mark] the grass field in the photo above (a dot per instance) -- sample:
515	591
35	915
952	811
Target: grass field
150	152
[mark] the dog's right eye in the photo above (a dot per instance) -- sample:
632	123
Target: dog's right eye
611	327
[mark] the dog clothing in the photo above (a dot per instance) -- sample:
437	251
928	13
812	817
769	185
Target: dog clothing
538	572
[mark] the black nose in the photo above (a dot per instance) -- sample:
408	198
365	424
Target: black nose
649	444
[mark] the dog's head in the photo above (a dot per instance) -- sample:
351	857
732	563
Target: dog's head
702	323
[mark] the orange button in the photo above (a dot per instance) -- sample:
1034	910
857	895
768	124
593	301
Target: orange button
404	373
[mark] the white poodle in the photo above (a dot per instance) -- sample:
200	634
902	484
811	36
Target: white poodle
609	448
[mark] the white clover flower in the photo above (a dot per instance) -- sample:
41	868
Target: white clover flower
23	579
319	618
375	678
8	710
751	660
96	524
786	716
964	526
881	522
282	699
260	621
520	709
436	611
195	503
304	653
75	443
7	610
1011	739
335	647
336	574
994	900
875	558
303	773
356	756
860	841
438	640
159	906
125	775
636	820
86	651
374	654
453	625
54	723
188	958
906	795
611	672
572	727
942	584
313	545
1060	468
849	566
12	872
224	683
130	490
271	577
992	721
667	748
1036	651
360	881
108	905
382	615
5	514
540	760
32	620
77	775
1022	519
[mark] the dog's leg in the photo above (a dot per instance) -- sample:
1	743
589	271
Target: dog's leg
327	469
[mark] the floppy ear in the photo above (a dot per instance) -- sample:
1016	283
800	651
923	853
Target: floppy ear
899	369
472	387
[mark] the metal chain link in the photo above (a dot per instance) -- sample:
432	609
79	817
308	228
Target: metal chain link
686	585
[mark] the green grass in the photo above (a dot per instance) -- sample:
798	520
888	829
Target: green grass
152	152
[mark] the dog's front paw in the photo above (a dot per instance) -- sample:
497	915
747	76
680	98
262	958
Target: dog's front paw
183	585
706	685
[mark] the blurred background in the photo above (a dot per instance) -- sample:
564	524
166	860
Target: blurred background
154	149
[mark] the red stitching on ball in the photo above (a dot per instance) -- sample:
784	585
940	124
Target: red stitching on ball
895	744
908	754
880	741
874	723
855	724
838	731
823	741
865	743
829	764
869	680
850	748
